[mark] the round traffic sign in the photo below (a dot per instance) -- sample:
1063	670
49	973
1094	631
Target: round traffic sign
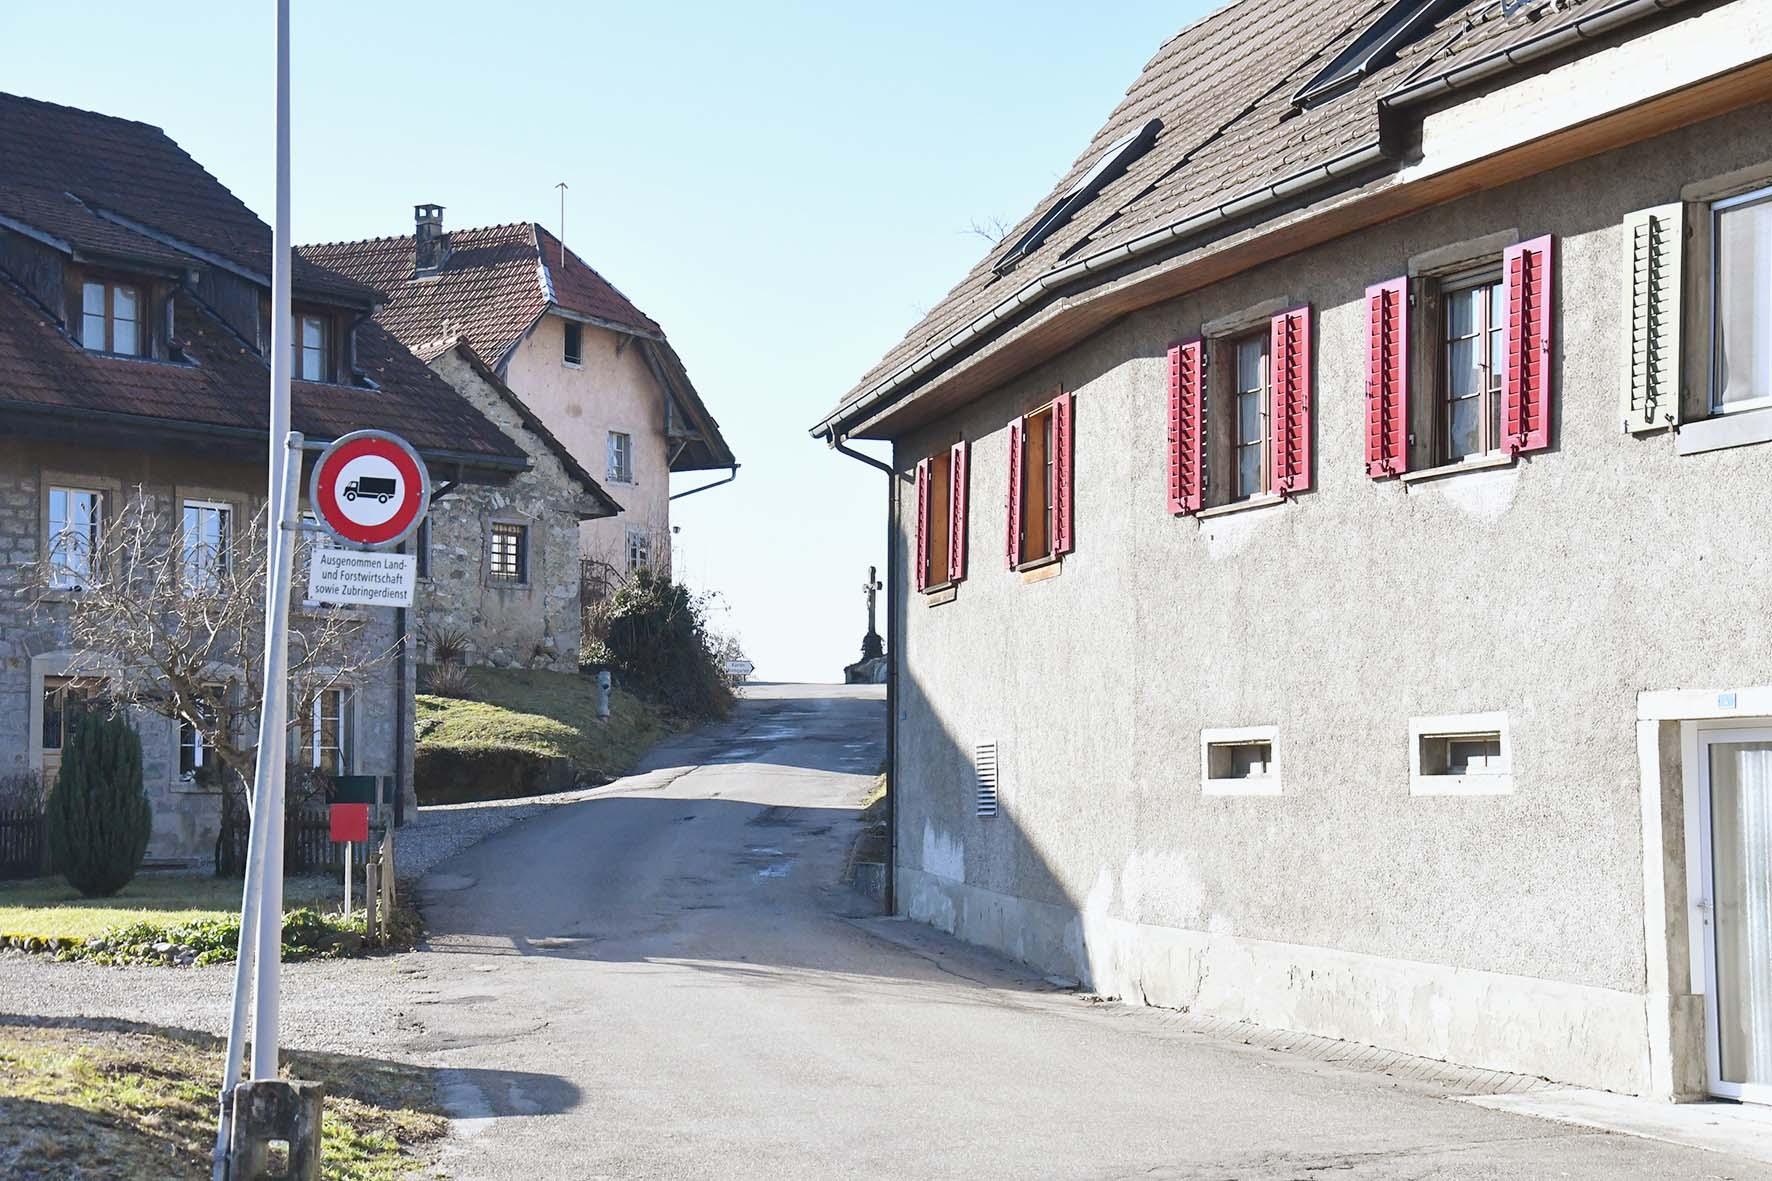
370	488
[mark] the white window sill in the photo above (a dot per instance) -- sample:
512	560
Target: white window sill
935	596
1267	500
572	364
1482	463
1254	785
1040	569
1738	428
1484	784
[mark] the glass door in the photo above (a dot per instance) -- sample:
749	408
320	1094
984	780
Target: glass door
1736	832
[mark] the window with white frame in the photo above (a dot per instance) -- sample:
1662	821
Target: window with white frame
1460	754
325	735
194	748
1249	425
1240	761
313	352
1741	348
207	545
74	520
110	317
1469	404
621	457
639	549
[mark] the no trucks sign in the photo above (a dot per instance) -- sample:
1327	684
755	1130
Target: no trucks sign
369	490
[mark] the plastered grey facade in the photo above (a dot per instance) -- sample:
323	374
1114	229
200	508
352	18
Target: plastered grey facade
1505	931
34	641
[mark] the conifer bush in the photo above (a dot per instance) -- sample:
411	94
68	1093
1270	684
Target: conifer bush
99	818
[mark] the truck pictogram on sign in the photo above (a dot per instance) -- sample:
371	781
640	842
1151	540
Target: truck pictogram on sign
382	490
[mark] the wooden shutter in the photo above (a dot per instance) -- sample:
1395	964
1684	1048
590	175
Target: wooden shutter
1186	453
1387	378
922	524
957	512
1525	378
1290	401
1062	451
1654	241
1014	511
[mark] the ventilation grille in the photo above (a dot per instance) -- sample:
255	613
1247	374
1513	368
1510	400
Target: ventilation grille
984	762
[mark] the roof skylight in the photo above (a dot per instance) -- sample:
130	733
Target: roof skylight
1402	23
1107	168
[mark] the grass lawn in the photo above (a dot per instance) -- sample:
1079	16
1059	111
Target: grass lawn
49	907
546	715
90	1100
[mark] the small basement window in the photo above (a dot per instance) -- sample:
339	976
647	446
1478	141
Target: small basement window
1239	762
573	347
1466	754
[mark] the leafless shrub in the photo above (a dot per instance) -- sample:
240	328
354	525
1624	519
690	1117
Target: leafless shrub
448	680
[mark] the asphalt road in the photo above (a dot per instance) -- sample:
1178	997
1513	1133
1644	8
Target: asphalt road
666	981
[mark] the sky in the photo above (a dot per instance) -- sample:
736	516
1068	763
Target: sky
786	188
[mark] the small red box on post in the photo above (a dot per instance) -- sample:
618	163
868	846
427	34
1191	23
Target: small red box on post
350	822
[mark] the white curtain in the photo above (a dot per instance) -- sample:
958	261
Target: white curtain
1741	825
1744	303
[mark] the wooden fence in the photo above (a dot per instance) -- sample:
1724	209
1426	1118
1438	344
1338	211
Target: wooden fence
307	840
24	843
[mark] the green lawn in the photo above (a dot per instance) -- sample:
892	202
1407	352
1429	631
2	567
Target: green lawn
546	715
49	907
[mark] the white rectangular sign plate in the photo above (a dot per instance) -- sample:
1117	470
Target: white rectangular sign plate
356	576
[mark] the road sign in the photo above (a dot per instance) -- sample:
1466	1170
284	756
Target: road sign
349	822
357	576
740	668
370	489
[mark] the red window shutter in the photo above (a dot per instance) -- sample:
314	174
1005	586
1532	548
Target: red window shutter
1525	378
922	523
1290	400
1014	513
1186	368
1062	452
1387	379
957	512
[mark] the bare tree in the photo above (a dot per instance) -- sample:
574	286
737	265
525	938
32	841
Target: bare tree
171	618
992	229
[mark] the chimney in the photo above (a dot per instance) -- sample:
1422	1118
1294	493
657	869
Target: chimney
431	244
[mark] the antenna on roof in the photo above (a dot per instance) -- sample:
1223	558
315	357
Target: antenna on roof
562	187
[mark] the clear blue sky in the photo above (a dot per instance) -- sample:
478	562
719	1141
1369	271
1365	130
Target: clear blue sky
785	187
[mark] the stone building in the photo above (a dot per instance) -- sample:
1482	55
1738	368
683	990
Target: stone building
134	327
499	563
594	369
1327	581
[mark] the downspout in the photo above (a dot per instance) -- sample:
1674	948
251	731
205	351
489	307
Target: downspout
839	444
727	479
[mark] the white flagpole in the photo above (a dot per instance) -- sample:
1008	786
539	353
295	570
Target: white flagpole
262	891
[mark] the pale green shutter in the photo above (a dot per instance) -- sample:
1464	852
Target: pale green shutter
1654	241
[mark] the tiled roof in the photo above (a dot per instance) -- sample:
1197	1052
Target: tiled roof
227	384
1223	90
494	284
63	169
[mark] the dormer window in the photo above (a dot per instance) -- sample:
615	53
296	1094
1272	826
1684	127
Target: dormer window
313	347
111	317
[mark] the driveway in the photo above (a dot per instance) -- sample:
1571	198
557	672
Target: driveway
666	980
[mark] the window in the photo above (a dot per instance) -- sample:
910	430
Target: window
508	553
1467	754
621	457
639	549
74	522
941	518
1249	426
1469	407
325	733
1040	484
313	353
194	749
208	540
1741	364
572	343
110	317
1239	761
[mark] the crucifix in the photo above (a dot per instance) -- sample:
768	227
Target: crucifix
871	645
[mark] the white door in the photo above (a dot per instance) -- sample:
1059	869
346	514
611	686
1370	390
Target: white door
1735	833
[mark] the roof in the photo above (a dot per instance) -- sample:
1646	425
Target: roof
1227	133
495	285
464	349
115	188
69	176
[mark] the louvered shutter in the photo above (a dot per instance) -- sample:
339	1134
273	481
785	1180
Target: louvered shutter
1014	510
1525	378
1654	244
957	512
1186	367
922	524
1387	378
1290	401
1063	449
